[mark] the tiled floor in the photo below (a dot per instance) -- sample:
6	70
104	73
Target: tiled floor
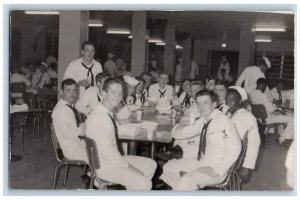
36	169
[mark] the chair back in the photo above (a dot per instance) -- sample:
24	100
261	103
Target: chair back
18	118
18	87
241	157
259	111
92	153
58	152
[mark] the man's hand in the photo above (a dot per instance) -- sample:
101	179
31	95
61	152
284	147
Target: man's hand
244	174
134	169
85	82
208	170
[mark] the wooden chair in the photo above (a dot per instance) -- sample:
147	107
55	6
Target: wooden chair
233	180
62	160
18	120
46	100
259	111
92	153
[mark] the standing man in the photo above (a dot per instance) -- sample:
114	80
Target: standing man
110	66
219	148
134	172
161	89
250	75
92	96
246	126
67	123
84	69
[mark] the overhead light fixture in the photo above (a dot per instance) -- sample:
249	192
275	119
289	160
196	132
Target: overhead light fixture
41	12
223	45
155	41
262	40
95	24
269	29
160	43
178	46
130	36
117	31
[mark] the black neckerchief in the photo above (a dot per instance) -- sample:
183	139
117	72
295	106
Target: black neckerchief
116	135
202	143
76	114
88	73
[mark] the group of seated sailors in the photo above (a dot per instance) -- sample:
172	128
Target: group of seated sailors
211	142
34	76
216	118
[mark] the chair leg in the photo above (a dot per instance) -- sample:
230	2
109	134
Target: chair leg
34	124
92	182
38	123
267	137
66	174
45	123
22	139
58	166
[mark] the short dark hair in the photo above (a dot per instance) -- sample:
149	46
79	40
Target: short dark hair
68	81
261	81
212	95
101	76
231	90
111	81
146	74
140	79
185	79
200	83
220	82
87	43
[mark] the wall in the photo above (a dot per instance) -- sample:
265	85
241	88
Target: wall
202	47
32	41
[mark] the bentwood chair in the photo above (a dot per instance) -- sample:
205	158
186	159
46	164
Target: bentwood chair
259	111
92	153
19	120
233	180
62	160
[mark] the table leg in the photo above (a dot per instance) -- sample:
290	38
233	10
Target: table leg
132	148
152	150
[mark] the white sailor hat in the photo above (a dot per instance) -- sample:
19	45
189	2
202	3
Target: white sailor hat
267	61
44	64
241	91
130	80
223	58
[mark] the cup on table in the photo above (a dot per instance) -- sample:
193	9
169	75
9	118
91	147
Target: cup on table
139	115
151	128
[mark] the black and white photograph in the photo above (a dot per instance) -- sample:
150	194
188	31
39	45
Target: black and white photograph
107	100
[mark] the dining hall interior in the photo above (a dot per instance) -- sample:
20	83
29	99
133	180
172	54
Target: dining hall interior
181	50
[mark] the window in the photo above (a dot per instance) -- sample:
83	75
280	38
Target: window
282	67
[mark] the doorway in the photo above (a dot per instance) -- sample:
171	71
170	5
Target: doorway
214	58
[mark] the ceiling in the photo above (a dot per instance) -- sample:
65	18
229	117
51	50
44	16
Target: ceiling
201	24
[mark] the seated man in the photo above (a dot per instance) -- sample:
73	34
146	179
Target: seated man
259	97
40	78
185	96
246	126
140	95
210	83
133	172
218	150
278	94
17	77
92	96
161	89
196	87
67	123
221	90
